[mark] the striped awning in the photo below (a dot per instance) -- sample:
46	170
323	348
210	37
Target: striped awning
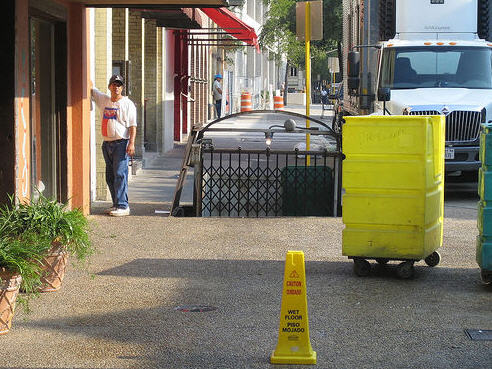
231	24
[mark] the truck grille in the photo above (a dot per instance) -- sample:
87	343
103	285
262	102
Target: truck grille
461	126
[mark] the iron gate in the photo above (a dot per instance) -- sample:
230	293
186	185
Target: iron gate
238	182
262	183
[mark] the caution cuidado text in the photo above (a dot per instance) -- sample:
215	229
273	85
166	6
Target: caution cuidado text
294	346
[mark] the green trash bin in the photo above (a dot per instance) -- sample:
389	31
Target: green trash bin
484	221
307	191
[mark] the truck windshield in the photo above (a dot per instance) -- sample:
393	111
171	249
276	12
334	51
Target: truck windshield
440	66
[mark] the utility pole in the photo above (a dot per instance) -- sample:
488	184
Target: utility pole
309	13
307	33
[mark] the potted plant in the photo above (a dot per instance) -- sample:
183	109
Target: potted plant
20	260
66	229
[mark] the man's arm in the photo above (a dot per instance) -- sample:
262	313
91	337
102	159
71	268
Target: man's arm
132	129
97	95
130	149
217	87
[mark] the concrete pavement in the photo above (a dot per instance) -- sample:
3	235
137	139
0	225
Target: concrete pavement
122	314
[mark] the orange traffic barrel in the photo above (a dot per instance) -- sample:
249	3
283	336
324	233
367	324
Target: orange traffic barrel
246	104
278	102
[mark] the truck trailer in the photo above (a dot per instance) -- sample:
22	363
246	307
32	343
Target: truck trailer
421	57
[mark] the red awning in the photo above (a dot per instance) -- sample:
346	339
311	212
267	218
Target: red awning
226	20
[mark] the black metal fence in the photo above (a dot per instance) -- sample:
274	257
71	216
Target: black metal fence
263	183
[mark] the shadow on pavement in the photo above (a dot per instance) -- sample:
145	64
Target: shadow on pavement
242	331
137	208
447	278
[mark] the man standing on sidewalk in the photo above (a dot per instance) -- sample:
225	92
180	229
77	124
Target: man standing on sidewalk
119	128
217	91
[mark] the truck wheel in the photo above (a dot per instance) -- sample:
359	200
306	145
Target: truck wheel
362	267
433	259
405	270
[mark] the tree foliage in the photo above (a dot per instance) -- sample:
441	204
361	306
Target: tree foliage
279	32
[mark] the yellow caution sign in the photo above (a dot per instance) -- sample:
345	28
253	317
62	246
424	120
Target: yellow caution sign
293	345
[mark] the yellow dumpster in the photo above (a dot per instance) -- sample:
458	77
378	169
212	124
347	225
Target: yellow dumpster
393	190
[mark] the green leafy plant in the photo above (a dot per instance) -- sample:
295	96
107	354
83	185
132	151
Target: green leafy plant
22	255
30	231
48	219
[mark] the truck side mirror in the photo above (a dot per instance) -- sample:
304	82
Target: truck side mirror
384	94
353	66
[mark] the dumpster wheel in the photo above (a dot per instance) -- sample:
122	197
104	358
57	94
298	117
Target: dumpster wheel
405	270
486	277
178	212
362	267
433	259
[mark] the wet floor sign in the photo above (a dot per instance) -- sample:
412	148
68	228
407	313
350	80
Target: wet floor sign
294	346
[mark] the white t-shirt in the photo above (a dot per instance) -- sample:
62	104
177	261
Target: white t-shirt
215	89
116	117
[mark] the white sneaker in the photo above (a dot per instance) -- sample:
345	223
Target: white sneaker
120	212
109	210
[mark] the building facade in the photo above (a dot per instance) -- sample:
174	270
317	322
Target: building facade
54	51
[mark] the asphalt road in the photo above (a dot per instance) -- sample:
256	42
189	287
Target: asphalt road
231	135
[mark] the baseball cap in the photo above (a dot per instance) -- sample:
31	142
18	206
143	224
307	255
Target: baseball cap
218	76
116	78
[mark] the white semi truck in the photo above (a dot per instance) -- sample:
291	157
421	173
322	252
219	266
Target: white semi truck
421	57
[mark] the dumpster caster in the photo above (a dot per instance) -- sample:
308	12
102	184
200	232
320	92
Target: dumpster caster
405	270
382	261
178	212
486	277
433	259
362	267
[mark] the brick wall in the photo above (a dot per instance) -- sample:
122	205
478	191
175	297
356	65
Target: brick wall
119	21
136	57
150	84
199	86
103	68
204	96
159	87
167	91
194	85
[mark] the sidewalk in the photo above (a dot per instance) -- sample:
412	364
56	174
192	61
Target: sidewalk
123	313
152	188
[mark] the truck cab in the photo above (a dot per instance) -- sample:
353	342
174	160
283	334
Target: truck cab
448	77
435	60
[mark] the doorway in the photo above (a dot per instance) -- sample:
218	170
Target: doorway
48	108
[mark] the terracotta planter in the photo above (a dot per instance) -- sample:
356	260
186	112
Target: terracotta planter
53	265
9	288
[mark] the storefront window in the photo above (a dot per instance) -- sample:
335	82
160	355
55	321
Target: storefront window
43	122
